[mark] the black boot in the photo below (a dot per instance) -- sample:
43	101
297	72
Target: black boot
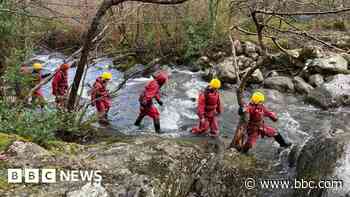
138	121
156	123
280	140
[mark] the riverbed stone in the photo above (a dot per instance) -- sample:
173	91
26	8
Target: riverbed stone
333	93
302	86
334	63
316	80
281	83
249	48
89	190
226	71
257	77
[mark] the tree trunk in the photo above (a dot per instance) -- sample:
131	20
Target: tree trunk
106	4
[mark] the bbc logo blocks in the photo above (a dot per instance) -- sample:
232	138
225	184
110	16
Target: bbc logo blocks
31	176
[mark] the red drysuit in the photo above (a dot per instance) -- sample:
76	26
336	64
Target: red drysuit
100	96
209	106
152	90
37	77
60	83
256	125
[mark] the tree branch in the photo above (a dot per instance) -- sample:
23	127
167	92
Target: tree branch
303	13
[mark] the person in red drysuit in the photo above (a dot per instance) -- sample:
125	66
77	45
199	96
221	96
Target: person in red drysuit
209	106
147	108
60	85
100	97
256	126
37	76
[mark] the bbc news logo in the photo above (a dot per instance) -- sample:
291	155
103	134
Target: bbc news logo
52	175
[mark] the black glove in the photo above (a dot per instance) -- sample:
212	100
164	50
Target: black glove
240	111
160	103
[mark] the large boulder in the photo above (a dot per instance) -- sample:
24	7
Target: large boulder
310	52
89	190
257	77
249	48
321	159
316	80
244	62
333	93
280	83
333	64
302	86
226	71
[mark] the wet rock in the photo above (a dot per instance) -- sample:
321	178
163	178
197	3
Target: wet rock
218	56
257	77
316	80
154	166
249	48
89	190
244	62
331	64
226	72
202	63
254	56
318	160
347	57
272	73
310	52
333	93
302	86
280	83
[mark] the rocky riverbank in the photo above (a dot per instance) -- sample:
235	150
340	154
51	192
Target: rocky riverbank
322	76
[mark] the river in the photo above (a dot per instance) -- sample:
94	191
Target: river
298	120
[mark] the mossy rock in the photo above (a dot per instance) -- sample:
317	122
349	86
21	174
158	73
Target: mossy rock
7	139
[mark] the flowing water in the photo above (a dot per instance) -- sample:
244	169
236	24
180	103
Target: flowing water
297	120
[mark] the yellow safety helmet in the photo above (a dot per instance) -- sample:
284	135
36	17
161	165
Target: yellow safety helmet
257	98
106	76
215	83
37	66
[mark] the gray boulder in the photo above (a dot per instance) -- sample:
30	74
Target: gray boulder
347	57
226	72
334	64
316	80
257	77
249	48
89	190
334	93
280	83
302	86
244	62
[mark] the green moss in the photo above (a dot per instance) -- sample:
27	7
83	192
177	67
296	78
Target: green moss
3	184
241	161
7	139
60	147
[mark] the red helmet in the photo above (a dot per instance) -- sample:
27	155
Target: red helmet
161	77
65	66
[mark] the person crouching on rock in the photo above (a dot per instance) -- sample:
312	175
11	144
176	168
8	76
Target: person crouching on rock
256	126
147	108
101	98
60	85
209	107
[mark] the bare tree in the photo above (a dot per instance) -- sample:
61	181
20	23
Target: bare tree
106	5
264	14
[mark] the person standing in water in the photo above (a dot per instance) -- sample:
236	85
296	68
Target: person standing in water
150	92
101	98
37	76
209	107
60	85
256	126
